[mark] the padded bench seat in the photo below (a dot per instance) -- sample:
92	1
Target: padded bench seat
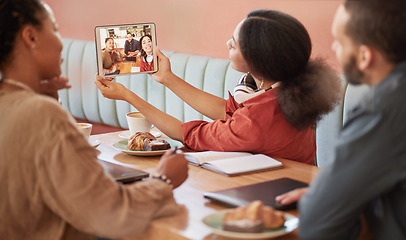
212	75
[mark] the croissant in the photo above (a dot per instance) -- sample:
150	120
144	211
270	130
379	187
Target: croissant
145	141
136	141
253	218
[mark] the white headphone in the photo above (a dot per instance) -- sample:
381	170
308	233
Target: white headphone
149	58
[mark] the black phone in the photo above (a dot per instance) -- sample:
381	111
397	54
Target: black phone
122	173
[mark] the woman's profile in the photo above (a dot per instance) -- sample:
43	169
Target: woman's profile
51	183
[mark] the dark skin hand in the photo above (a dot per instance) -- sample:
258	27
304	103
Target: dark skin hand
174	166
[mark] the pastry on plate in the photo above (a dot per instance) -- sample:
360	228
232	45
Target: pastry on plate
145	141
253	218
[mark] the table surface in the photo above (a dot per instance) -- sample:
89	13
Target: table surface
187	224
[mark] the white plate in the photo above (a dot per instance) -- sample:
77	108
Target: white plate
127	134
94	142
122	146
215	222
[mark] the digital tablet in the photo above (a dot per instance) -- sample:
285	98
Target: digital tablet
126	49
121	173
264	191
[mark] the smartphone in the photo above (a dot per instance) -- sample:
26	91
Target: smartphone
126	49
121	173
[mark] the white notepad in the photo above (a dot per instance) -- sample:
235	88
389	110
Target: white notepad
232	163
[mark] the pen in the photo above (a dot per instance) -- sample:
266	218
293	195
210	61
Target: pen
176	150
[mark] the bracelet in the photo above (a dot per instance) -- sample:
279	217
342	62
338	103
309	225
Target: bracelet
162	177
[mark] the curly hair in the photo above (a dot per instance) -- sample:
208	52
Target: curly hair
277	47
14	14
309	96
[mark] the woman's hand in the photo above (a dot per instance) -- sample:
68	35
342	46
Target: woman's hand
110	89
175	167
292	196
51	87
164	67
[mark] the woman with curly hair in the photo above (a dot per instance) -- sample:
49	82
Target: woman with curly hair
290	93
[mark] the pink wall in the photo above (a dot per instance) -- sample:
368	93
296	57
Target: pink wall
199	27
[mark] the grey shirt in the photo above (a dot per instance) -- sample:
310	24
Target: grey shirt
368	173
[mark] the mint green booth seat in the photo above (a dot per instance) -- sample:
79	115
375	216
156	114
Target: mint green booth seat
328	129
212	75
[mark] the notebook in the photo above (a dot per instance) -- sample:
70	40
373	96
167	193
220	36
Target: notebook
121	173
232	163
264	191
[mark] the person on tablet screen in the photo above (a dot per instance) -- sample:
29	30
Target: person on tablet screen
51	184
291	93
147	59
110	57
131	48
367	175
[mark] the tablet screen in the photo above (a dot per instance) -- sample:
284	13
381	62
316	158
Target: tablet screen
126	49
264	191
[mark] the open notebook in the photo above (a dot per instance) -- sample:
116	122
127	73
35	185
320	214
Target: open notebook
264	191
121	173
232	163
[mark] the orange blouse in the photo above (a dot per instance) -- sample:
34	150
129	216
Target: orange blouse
257	126
144	66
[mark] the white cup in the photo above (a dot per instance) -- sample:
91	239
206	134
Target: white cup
138	123
85	129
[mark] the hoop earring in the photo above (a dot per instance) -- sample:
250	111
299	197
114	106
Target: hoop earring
261	85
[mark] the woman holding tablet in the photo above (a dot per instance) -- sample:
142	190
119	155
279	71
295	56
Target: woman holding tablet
291	93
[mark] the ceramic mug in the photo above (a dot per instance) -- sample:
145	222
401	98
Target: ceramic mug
85	129
138	123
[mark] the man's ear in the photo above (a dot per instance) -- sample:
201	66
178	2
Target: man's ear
365	57
29	36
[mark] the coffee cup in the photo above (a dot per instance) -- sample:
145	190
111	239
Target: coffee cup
138	123
85	129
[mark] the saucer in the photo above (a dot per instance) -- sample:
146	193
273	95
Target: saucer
127	134
94	142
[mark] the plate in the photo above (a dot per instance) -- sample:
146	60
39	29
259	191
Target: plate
94	142
122	146
215	222
127	134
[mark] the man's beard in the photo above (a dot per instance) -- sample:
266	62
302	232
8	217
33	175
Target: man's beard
352	74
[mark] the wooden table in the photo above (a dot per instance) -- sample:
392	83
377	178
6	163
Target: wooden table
126	66
187	224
